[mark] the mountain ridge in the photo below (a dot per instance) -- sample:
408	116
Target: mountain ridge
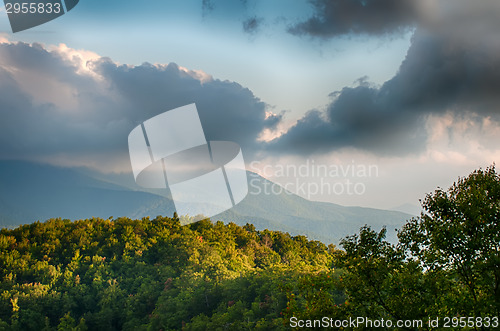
31	192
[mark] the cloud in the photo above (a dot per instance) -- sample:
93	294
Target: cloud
73	107
223	9
227	110
452	66
67	105
207	6
334	18
252	24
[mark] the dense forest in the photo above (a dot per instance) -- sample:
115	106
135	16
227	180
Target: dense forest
156	274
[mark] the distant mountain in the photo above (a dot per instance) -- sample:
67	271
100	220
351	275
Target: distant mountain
322	221
31	192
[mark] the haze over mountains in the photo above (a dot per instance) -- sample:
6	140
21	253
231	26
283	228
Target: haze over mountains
31	192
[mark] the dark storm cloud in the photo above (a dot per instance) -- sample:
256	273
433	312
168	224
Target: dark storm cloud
252	24
93	113
333	18
32	128
227	110
360	118
450	67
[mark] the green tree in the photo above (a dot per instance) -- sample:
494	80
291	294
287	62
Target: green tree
460	233
378	282
447	262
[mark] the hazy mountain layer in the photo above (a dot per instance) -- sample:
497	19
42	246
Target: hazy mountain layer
31	192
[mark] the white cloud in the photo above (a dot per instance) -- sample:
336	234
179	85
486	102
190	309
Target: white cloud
456	147
200	75
74	107
4	37
80	58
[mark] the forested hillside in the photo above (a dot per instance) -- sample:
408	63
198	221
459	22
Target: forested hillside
123	274
128	274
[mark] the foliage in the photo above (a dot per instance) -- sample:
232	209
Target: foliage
460	234
146	274
447	262
150	274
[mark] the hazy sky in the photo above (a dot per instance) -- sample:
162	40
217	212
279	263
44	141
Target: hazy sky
409	88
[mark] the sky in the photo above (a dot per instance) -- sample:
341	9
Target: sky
358	102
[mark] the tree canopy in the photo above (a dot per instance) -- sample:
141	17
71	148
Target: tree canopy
447	261
155	274
123	274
